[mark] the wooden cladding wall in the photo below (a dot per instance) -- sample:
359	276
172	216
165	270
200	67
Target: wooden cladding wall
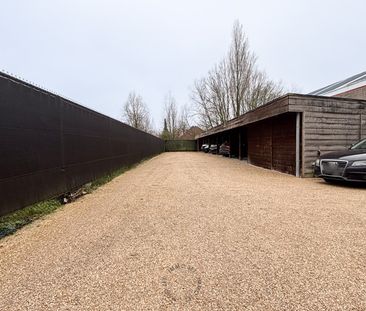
329	124
272	143
260	144
284	143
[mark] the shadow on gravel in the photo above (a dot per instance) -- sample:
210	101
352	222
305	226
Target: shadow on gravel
346	184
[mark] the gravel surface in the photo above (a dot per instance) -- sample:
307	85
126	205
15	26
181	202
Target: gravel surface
191	231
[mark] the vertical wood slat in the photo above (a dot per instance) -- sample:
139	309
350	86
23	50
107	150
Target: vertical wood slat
272	143
240	155
298	144
284	143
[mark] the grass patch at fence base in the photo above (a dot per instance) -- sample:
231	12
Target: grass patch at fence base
18	219
14	221
95	184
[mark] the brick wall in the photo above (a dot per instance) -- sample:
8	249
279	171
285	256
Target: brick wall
359	93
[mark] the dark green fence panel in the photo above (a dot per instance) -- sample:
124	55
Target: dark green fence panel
180	145
50	145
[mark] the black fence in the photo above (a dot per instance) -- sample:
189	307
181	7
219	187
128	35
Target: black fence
180	145
50	145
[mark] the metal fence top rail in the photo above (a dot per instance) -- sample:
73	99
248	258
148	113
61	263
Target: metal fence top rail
9	76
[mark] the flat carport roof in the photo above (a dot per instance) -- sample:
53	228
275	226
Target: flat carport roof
273	108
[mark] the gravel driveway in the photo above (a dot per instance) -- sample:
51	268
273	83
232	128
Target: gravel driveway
191	231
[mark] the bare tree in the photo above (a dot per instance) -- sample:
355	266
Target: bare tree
136	113
171	116
242	65
234	86
212	98
218	84
261	91
184	119
203	106
176	122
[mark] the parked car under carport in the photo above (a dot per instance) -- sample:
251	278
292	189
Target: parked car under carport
205	147
346	165
213	149
225	149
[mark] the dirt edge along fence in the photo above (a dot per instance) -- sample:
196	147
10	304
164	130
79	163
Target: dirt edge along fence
50	145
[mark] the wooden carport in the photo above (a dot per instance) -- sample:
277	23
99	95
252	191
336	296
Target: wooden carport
287	133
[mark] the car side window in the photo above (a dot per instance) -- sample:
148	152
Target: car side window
360	145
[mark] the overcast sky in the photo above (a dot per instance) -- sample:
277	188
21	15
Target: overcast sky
96	51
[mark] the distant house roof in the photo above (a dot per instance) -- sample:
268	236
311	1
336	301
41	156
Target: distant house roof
343	86
191	133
